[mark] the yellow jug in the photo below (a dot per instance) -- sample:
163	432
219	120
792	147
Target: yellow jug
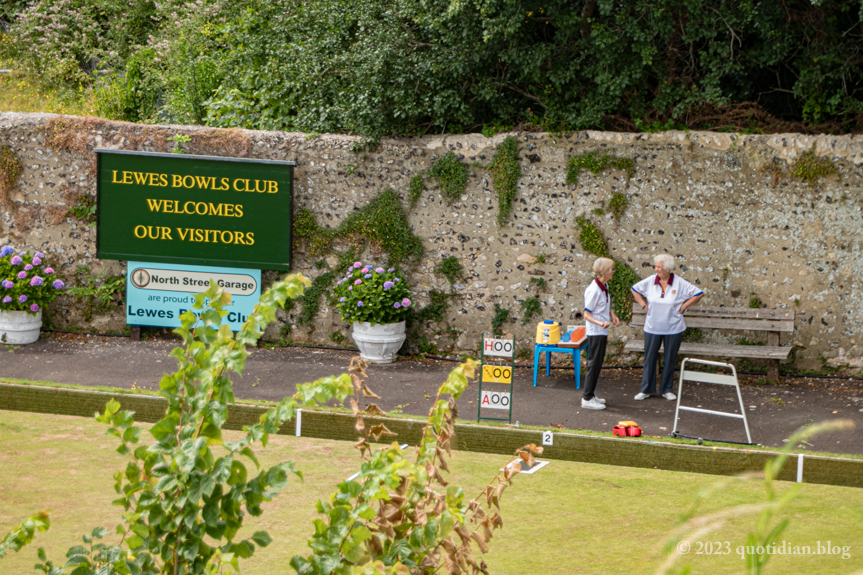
548	332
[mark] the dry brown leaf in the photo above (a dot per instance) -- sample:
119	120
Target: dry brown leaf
497	520
369	393
483	567
480	540
360	425
380	429
439	453
384	526
443	440
354	407
372	409
362	445
431	560
535	449
453	406
448	545
450	564
462	532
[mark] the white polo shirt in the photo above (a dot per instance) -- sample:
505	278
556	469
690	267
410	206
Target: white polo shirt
598	303
663	311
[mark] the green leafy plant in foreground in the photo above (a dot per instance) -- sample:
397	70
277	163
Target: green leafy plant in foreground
399	514
24	533
186	494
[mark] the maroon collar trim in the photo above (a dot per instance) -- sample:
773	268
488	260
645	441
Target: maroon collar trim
603	287
670	280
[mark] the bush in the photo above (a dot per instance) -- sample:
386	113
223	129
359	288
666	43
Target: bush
28	283
373	294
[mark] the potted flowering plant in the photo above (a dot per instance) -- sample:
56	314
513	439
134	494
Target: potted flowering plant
27	284
376	301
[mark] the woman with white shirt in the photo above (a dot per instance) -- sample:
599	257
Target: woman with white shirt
664	297
598	316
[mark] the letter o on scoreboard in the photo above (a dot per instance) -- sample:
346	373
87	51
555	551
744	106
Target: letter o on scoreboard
494	400
498	347
496	374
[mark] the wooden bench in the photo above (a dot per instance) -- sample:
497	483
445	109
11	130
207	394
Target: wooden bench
773	321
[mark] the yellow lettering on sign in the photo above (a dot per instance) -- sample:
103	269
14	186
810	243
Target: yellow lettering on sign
496	374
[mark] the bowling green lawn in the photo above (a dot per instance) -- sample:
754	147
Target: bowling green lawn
567	518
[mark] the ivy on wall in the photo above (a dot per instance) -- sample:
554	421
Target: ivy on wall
416	189
505	171
595	164
809	167
382	221
620	287
451	175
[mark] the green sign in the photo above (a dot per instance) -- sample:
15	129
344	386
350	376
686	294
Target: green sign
199	210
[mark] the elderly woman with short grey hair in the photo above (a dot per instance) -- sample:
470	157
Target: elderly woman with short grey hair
664	297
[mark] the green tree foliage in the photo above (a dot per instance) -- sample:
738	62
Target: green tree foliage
415	67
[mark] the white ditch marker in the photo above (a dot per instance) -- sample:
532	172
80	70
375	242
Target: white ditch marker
716	378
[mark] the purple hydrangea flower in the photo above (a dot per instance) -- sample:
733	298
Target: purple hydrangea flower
16	260
36	281
28	267
342	300
39	255
49	270
22	298
397	305
358	282
37	261
58	284
358	265
359	304
388	285
391	270
22	254
406	302
379	270
350	288
397	280
22	275
7	284
338	283
34	308
350	270
5	251
367	276
7	299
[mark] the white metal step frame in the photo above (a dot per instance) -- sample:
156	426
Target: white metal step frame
714	378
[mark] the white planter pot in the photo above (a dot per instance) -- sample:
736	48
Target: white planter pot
19	327
379	343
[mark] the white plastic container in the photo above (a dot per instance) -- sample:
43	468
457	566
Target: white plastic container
19	327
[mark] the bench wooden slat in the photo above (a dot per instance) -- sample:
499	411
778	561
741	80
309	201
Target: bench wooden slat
720	323
750	351
732	312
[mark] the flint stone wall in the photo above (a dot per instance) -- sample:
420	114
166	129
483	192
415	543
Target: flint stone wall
712	200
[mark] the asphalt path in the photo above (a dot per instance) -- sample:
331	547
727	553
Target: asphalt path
409	387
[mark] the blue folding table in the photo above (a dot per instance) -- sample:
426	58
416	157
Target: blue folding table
549	349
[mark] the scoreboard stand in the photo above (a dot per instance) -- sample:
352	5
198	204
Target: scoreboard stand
496	370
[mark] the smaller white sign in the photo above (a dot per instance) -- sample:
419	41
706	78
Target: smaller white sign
162	279
547	438
498	347
494	400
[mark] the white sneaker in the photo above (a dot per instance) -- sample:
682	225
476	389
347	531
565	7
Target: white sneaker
599	400
592	404
641	396
669	396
